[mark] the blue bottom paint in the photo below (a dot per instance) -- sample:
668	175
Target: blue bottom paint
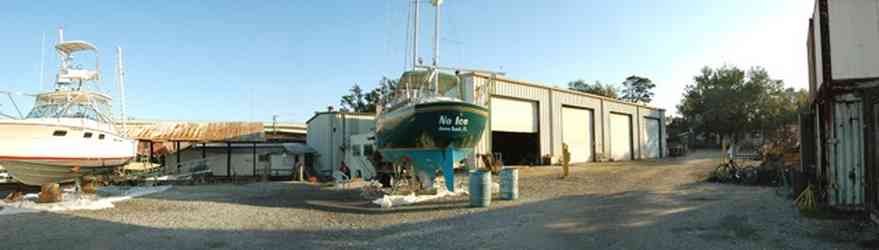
431	160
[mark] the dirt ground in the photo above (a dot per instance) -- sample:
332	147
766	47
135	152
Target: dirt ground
662	204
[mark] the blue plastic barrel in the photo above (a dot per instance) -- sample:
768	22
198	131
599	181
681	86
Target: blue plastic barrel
509	183
480	188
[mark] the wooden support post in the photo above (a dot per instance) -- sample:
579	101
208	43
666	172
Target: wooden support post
228	159
177	148
204	153
254	160
151	152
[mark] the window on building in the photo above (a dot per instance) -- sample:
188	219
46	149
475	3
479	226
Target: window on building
101	137
87	135
355	150
60	133
367	150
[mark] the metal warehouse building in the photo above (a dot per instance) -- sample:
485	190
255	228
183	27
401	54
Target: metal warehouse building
528	124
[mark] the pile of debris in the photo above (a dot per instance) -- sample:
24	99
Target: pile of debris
772	171
387	199
69	199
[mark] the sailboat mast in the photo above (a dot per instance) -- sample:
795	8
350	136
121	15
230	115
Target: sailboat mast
436	27
415	36
120	79
436	24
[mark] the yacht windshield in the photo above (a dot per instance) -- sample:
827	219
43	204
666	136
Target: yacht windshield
82	106
59	111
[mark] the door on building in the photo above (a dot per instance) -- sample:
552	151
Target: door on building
652	138
515	133
620	137
846	156
577	133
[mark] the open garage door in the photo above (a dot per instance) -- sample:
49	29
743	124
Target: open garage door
577	133
620	137
652	138
515	132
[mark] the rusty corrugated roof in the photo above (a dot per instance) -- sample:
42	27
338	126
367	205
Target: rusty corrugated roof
202	132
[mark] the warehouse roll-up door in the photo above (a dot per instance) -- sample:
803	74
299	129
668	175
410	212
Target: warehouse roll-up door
511	115
577	133
620	137
652	138
514	130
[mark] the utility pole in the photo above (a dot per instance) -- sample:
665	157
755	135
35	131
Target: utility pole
274	125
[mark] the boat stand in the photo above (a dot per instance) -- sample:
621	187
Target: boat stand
426	162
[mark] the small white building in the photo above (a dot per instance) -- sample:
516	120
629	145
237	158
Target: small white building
329	133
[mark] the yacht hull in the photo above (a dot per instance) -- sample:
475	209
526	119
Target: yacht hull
39	172
431	136
35	153
432	125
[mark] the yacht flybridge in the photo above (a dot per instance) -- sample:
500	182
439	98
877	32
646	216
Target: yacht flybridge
69	132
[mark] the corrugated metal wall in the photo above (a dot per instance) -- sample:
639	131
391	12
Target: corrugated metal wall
846	156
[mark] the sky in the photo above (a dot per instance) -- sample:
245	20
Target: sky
249	60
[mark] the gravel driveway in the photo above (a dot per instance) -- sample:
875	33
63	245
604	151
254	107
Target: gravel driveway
631	205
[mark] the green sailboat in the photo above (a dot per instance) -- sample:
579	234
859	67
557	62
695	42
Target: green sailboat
427	123
430	131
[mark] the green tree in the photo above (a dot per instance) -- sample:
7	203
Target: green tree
596	88
731	102
356	101
359	101
638	89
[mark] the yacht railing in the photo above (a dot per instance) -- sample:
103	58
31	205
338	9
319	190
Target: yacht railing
15	105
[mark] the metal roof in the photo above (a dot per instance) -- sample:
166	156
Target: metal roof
199	132
542	86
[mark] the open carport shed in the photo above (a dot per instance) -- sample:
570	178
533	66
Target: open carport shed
171	138
529	122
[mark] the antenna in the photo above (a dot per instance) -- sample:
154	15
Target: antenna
42	61
120	79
